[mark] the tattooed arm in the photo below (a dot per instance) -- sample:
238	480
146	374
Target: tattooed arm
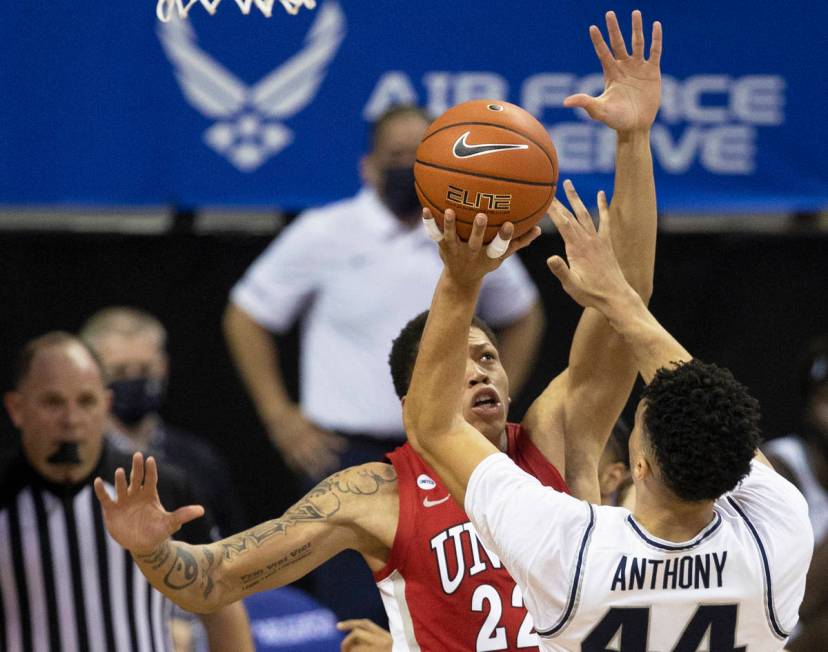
350	509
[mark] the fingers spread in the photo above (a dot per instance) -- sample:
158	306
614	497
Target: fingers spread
449	227
186	514
431	227
101	493
559	268
581	213
151	477
619	48
136	475
604	231
563	219
497	247
525	240
601	48
637	35
120	484
655	44
478	229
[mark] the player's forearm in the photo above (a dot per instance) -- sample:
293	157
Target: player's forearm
186	574
257	359
650	343
634	211
433	402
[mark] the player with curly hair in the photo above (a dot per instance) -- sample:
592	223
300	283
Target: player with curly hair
715	552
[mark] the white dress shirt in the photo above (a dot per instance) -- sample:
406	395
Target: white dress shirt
357	275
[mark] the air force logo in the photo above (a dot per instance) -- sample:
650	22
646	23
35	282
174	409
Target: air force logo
248	130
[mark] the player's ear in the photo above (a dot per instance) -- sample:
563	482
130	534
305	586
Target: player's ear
13	400
368	171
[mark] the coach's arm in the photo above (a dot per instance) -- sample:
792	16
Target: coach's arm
348	510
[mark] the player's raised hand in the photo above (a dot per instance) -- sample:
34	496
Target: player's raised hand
593	275
632	84
136	519
468	262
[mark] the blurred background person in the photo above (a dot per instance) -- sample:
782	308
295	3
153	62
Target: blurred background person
131	345
803	459
64	583
355	272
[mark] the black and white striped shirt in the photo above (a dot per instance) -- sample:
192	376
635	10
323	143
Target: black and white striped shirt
65	584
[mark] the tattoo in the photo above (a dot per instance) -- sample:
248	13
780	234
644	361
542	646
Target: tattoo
157	557
184	570
256	577
321	503
206	569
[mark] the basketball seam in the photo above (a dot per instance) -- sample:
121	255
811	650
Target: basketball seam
485	176
492	124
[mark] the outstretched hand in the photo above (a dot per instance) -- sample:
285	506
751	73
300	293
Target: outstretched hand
632	84
468	262
593	275
136	519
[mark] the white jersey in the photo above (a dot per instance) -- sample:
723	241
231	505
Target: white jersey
595	580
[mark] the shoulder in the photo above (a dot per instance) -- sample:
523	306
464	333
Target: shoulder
773	509
363	498
373	478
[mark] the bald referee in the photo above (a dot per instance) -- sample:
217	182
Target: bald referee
65	585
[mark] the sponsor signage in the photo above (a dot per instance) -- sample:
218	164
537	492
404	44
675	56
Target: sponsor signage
231	109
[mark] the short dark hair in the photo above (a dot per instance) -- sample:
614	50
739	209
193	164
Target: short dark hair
406	345
702	425
391	113
30	349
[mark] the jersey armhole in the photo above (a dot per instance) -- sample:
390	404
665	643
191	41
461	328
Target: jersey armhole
407	508
529	457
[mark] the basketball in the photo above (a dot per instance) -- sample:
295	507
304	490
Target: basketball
487	156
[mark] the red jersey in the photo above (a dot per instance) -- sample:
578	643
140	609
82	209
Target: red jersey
442	589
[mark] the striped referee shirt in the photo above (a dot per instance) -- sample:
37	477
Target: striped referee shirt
65	584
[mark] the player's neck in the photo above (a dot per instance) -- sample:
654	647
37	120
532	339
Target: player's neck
672	520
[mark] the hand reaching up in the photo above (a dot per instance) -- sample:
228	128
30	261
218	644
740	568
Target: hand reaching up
592	276
632	84
136	519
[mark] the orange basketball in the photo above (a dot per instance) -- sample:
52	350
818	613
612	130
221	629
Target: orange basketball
487	156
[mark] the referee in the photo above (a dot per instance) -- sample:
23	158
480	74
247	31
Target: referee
65	585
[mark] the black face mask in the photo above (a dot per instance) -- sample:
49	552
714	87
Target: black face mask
67	454
135	398
398	191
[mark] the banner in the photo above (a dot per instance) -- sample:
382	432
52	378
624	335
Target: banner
106	105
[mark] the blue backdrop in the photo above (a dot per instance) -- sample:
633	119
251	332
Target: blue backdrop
104	104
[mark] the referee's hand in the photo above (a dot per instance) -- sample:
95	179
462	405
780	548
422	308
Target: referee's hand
136	519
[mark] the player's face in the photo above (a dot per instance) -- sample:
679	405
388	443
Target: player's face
126	357
61	401
486	387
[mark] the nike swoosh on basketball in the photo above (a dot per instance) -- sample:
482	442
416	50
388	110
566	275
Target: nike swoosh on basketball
432	503
462	149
